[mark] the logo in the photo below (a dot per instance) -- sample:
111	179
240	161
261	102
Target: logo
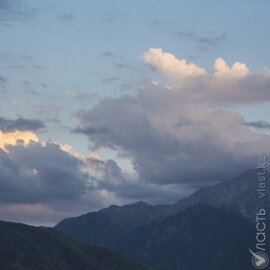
260	260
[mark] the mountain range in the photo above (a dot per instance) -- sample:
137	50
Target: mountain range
213	227
200	237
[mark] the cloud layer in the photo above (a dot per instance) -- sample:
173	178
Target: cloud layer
173	133
42	183
37	176
20	124
178	137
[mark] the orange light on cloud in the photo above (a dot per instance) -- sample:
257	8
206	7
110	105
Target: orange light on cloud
12	138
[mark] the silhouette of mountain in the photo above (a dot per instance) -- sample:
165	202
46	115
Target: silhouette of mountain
237	194
106	226
200	237
212	227
24	247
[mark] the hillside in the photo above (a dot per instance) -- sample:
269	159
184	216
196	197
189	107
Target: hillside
24	247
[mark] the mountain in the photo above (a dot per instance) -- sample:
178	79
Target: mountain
211	227
237	194
199	238
133	215
24	247
106	226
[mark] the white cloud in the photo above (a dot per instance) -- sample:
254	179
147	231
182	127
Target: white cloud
238	69
226	87
167	64
178	69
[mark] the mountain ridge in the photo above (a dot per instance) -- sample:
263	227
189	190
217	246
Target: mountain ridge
230	205
199	236
226	188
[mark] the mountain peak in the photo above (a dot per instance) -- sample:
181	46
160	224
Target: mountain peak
239	193
141	203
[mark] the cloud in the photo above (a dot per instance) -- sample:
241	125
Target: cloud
258	124
173	133
91	130
20	124
169	65
38	176
228	86
237	69
110	179
148	129
42	183
39	173
16	137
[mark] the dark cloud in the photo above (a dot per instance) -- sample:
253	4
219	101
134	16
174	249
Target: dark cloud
38	173
91	130
170	140
128	189
258	124
21	124
40	183
44	183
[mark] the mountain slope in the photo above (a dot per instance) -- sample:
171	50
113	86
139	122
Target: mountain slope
237	194
24	247
104	227
201	237
107	225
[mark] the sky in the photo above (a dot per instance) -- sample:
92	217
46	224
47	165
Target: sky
113	102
